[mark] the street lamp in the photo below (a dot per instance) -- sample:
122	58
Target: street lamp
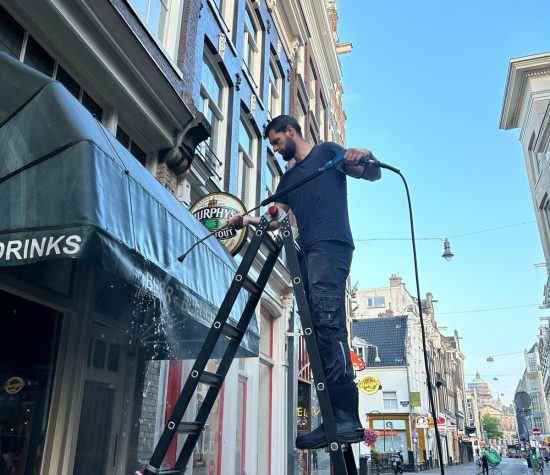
358	341
383	424
447	254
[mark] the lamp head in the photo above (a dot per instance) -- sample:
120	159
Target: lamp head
447	254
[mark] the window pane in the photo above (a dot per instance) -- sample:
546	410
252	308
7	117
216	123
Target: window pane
137	152
211	83
92	106
141	7
264	420
67	80
241	429
11	34
122	137
265	334
245	140
249	24
38	58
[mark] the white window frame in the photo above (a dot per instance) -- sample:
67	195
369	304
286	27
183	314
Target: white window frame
275	93
217	138
273	172
251	46
246	166
226	11
387	400
168	38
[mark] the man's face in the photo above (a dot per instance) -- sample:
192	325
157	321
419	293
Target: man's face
283	143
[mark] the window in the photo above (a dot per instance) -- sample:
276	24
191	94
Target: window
11	34
376	301
130	145
240	439
390	400
212	105
546	212
265	391
225	10
312	87
535	384
322	119
536	402
246	184
163	19
537	423
532	361
273	175
251	51
38	58
275	97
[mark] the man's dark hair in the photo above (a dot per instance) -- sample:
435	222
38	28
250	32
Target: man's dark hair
280	123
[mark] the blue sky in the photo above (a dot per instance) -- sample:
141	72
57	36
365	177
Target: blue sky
423	89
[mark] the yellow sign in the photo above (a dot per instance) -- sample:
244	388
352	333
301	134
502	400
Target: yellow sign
14	385
369	384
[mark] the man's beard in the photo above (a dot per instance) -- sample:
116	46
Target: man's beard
290	150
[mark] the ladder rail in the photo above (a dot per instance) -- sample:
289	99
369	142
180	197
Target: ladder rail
342	461
212	337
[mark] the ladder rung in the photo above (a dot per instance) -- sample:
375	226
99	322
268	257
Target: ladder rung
213	379
252	286
232	332
190	427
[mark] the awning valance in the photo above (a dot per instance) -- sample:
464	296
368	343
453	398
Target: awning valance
70	190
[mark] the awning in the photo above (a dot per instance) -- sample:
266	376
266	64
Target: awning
69	190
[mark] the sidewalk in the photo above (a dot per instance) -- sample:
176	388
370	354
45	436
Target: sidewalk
466	468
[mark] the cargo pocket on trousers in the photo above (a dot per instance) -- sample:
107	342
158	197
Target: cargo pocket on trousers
326	305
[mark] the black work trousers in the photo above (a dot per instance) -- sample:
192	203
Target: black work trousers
327	268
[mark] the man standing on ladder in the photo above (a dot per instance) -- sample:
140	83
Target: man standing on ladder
321	211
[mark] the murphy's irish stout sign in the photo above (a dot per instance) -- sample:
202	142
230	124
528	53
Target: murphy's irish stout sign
214	211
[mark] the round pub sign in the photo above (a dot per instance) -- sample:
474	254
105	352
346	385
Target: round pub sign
369	384
14	385
214	211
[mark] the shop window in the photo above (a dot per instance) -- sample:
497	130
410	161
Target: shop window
247	159
29	342
240	436
11	34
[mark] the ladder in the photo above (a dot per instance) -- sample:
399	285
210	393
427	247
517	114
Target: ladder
341	455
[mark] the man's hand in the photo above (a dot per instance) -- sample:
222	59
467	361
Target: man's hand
352	167
354	155
238	221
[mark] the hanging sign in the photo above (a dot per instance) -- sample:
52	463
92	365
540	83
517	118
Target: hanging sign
369	384
358	363
214	211
421	422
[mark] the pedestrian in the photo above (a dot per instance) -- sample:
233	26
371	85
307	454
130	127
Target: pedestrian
321	211
484	463
314	459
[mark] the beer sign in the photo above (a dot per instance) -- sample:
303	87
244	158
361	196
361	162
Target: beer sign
369	384
214	211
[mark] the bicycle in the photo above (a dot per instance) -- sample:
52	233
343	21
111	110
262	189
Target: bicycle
493	469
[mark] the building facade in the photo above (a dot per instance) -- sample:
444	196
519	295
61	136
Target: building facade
186	88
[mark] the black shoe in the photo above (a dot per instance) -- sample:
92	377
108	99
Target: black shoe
344	399
317	439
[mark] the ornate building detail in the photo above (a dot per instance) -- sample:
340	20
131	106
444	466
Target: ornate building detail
222	41
238	82
253	102
271	4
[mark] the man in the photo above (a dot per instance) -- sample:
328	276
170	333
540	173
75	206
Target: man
321	211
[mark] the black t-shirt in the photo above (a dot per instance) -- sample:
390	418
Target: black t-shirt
321	205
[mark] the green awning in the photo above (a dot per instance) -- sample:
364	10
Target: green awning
69	190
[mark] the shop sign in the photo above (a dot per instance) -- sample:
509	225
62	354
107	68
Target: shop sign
214	211
421	422
45	246
404	403
14	385
369	384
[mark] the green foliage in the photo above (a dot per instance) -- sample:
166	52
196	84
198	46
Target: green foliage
491	426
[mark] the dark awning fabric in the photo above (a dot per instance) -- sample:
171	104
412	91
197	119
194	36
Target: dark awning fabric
69	190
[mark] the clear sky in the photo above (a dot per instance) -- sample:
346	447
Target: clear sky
423	88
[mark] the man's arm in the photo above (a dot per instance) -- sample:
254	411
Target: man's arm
352	168
239	221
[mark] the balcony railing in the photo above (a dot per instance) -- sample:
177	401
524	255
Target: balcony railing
209	158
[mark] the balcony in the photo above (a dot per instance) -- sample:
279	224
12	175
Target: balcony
209	159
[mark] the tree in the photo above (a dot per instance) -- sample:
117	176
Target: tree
491	426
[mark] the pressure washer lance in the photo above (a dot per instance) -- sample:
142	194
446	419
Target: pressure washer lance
336	162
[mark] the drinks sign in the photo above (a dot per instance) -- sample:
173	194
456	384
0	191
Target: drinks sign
214	211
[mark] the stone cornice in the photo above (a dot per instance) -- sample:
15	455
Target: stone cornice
519	72
543	139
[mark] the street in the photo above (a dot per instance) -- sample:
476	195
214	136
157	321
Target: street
508	466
